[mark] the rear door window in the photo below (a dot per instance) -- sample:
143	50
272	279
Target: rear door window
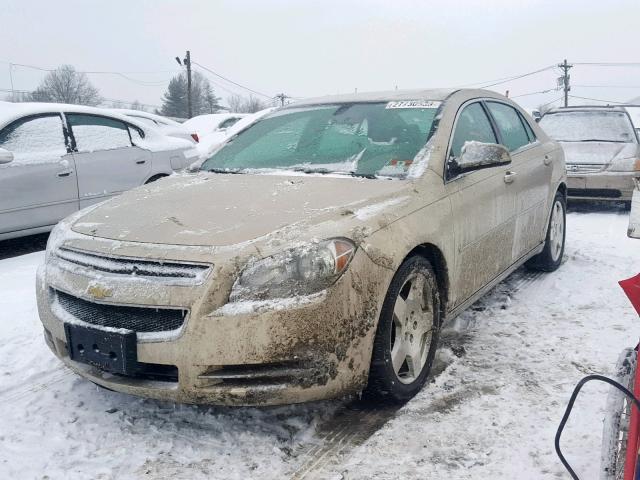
35	138
472	125
509	124
93	132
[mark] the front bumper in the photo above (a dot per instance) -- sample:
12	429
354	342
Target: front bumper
601	186
248	353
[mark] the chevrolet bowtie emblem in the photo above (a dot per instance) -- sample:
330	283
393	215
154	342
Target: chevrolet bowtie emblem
99	292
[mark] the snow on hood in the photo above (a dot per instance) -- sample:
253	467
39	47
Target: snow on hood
597	152
224	210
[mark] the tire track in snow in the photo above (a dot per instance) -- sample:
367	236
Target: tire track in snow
20	392
354	423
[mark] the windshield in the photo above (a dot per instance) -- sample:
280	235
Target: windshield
588	126
367	139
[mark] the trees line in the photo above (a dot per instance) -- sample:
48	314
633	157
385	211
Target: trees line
67	85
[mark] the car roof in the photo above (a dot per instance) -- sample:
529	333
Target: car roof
586	108
435	94
10	111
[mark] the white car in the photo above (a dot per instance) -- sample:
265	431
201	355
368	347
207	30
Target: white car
166	125
205	125
56	159
210	143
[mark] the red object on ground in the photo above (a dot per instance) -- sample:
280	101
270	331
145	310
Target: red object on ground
631	287
631	460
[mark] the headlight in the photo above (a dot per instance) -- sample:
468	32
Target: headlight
298	271
625	165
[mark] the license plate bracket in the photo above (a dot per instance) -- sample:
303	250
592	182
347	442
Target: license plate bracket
114	352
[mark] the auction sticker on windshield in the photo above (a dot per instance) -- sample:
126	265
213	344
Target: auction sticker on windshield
414	104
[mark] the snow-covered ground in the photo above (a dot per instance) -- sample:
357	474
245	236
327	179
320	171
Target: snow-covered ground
503	376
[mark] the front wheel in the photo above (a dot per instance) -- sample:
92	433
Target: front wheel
551	256
407	334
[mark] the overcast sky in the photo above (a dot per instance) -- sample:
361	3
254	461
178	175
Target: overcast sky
308	48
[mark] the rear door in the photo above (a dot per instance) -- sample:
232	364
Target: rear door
38	188
107	161
532	168
483	207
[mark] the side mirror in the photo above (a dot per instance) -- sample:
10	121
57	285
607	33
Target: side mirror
634	214
478	155
5	156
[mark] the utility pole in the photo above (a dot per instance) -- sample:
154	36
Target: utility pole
282	97
13	93
187	63
564	81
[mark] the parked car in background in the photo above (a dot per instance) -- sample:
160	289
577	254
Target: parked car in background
205	125
166	125
317	253
214	140
56	159
601	151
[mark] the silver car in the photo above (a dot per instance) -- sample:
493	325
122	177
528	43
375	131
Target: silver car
601	151
56	159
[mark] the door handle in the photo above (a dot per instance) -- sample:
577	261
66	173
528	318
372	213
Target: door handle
65	173
547	160
140	162
509	177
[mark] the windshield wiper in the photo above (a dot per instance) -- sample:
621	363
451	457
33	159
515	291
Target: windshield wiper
326	171
593	140
225	170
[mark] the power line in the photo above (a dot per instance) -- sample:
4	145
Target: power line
609	64
144	83
234	83
597	99
608	86
499	81
549	103
535	93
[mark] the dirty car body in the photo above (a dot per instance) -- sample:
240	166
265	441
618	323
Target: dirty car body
261	278
601	151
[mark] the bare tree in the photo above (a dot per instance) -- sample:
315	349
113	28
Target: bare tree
136	105
250	104
66	85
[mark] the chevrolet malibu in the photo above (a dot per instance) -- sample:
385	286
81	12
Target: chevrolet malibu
316	253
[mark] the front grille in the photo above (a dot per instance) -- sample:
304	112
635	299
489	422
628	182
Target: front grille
584	167
138	319
131	266
594	192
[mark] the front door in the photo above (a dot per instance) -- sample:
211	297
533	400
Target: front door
108	162
484	209
38	188
532	166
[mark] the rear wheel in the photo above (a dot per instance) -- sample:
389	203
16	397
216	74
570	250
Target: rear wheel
616	422
551	256
407	334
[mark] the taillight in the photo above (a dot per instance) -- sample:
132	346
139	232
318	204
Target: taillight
195	137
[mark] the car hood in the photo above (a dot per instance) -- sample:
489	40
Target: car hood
225	209
600	153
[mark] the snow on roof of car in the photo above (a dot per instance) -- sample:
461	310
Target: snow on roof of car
208	123
583	108
141	113
154	139
438	94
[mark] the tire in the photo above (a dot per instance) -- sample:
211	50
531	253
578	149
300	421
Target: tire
551	256
616	422
408	331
